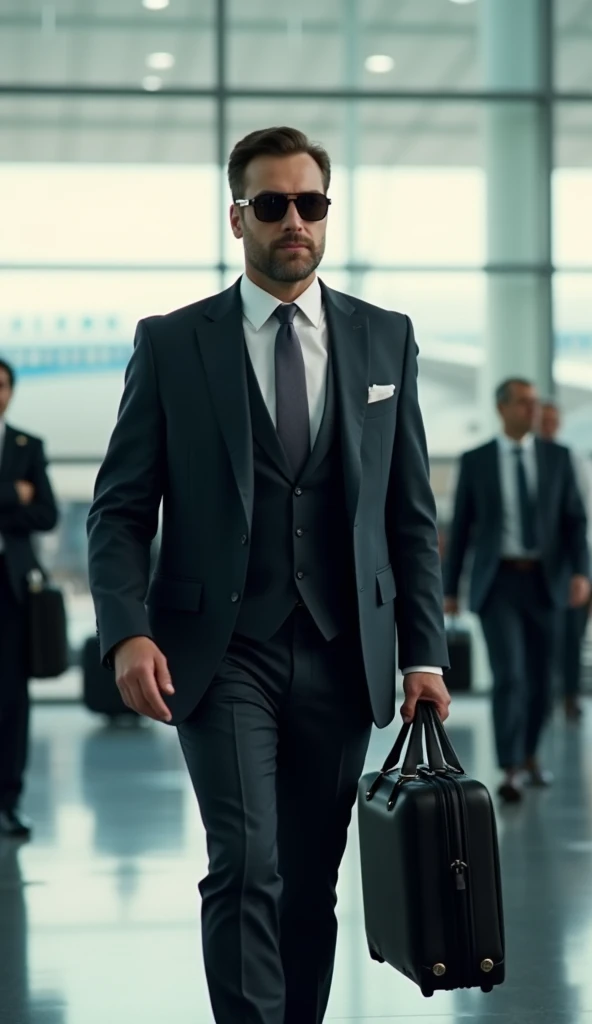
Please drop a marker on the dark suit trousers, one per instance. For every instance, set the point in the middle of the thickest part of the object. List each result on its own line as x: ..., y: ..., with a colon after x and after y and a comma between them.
x: 14, y: 694
x: 275, y: 750
x: 518, y: 621
x: 572, y: 624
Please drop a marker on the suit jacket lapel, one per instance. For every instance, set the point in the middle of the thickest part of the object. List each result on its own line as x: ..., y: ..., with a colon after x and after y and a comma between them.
x: 350, y: 349
x: 8, y: 454
x: 494, y: 472
x: 264, y: 430
x: 542, y: 485
x: 222, y: 344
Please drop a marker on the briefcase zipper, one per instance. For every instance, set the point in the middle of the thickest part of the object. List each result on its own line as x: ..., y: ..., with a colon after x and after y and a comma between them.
x: 459, y: 869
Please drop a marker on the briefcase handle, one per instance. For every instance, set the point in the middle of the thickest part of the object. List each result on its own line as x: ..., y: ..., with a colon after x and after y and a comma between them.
x: 441, y: 755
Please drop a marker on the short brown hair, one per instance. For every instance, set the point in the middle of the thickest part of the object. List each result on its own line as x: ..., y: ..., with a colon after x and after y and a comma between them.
x: 273, y: 142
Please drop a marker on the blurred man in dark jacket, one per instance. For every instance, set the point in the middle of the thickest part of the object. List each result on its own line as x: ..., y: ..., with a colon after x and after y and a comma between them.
x: 27, y: 506
x: 518, y: 507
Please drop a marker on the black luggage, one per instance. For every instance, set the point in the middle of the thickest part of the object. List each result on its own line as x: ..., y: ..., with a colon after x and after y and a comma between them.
x: 99, y: 689
x: 47, y: 628
x: 430, y: 866
x: 459, y: 676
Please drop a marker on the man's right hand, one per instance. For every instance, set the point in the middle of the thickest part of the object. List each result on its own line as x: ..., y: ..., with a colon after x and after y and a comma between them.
x: 141, y: 673
x: 25, y: 491
x: 451, y: 606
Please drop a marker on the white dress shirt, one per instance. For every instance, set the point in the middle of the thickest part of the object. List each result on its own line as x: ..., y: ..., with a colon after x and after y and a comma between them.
x: 512, y: 545
x: 2, y: 436
x: 260, y: 328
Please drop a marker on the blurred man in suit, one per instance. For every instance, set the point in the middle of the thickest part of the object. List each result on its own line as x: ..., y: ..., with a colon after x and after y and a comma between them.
x: 280, y: 422
x: 518, y: 506
x: 572, y: 622
x: 27, y: 506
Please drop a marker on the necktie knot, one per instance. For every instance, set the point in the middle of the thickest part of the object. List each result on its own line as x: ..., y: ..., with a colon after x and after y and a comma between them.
x: 286, y: 313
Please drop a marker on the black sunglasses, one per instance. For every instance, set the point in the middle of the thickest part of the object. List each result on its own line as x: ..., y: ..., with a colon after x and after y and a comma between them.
x: 273, y: 206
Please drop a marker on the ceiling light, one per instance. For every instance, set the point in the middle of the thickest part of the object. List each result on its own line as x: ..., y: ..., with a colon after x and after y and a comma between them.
x: 152, y: 83
x: 155, y: 5
x: 379, y: 64
x: 160, y: 61
x: 462, y: 1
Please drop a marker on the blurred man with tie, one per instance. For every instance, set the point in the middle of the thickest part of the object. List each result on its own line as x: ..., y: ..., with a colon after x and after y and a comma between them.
x: 27, y: 506
x: 279, y: 422
x: 518, y: 506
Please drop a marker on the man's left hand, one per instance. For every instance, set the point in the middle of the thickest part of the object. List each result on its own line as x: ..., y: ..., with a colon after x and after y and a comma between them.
x: 579, y: 591
x: 425, y: 686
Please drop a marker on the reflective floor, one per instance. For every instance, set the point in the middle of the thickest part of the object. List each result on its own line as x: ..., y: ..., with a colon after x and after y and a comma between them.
x: 99, y: 913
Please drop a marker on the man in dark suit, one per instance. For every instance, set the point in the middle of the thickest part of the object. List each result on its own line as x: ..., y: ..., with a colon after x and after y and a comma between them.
x: 518, y: 507
x: 27, y: 506
x: 279, y: 423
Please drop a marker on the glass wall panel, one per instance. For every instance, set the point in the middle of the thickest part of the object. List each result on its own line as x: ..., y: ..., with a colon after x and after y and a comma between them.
x: 107, y: 130
x: 573, y: 356
x: 572, y: 185
x: 573, y: 40
x: 69, y: 335
x: 111, y: 43
x: 407, y: 45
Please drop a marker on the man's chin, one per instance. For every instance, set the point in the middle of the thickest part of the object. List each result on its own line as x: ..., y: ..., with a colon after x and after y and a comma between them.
x: 294, y: 266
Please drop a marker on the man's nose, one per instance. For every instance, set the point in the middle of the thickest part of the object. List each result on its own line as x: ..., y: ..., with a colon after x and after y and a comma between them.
x: 292, y: 221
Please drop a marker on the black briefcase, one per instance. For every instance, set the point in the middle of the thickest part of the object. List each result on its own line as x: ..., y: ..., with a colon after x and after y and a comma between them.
x: 99, y: 689
x: 47, y: 628
x: 430, y: 866
x: 459, y: 676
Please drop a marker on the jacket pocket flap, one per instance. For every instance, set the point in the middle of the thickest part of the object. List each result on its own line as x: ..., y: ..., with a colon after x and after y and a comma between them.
x: 386, y: 585
x: 169, y: 593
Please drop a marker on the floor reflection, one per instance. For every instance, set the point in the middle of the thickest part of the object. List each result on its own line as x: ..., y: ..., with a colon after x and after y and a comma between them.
x: 99, y: 914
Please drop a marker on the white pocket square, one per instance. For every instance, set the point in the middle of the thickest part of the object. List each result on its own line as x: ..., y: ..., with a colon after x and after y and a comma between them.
x: 378, y: 392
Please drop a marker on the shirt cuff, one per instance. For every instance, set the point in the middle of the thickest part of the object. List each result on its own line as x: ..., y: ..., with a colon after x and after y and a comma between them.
x: 423, y: 668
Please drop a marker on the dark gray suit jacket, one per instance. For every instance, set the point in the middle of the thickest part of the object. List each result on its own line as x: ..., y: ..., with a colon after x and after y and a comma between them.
x: 23, y: 458
x: 478, y: 522
x: 184, y: 435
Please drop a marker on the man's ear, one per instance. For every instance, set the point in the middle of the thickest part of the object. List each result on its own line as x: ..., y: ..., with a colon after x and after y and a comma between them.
x: 236, y: 221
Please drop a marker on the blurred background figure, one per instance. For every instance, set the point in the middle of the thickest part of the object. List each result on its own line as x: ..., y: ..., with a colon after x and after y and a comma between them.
x: 27, y: 505
x: 572, y: 622
x: 518, y: 505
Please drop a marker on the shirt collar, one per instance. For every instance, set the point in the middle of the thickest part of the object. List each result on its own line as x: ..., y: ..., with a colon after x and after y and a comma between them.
x: 508, y: 444
x: 259, y: 305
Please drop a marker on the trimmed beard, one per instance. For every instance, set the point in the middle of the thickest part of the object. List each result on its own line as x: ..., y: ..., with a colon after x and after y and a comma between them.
x: 276, y: 267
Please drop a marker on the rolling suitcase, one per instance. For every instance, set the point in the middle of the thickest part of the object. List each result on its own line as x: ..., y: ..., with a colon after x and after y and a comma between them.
x: 99, y: 690
x: 459, y: 676
x: 47, y: 628
x: 430, y: 865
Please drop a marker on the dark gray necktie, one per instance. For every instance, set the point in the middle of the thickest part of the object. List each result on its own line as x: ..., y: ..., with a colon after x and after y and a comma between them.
x: 293, y: 421
x: 526, y: 505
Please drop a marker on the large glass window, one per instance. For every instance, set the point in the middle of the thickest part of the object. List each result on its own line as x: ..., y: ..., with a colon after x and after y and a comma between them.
x: 573, y: 39
x: 443, y: 120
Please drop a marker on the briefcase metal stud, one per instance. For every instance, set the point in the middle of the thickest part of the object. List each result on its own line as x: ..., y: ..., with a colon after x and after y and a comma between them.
x: 487, y: 965
x: 439, y: 970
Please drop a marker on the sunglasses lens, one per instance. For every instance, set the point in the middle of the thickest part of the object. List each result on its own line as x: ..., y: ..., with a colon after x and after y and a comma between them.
x: 270, y: 207
x: 312, y: 206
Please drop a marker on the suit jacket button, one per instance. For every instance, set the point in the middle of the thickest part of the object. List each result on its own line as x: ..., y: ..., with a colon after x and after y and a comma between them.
x: 299, y: 575
x: 234, y: 596
x: 298, y: 491
x: 244, y: 538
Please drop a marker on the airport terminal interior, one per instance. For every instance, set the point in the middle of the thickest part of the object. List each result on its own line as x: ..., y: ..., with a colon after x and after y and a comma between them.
x: 460, y: 133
